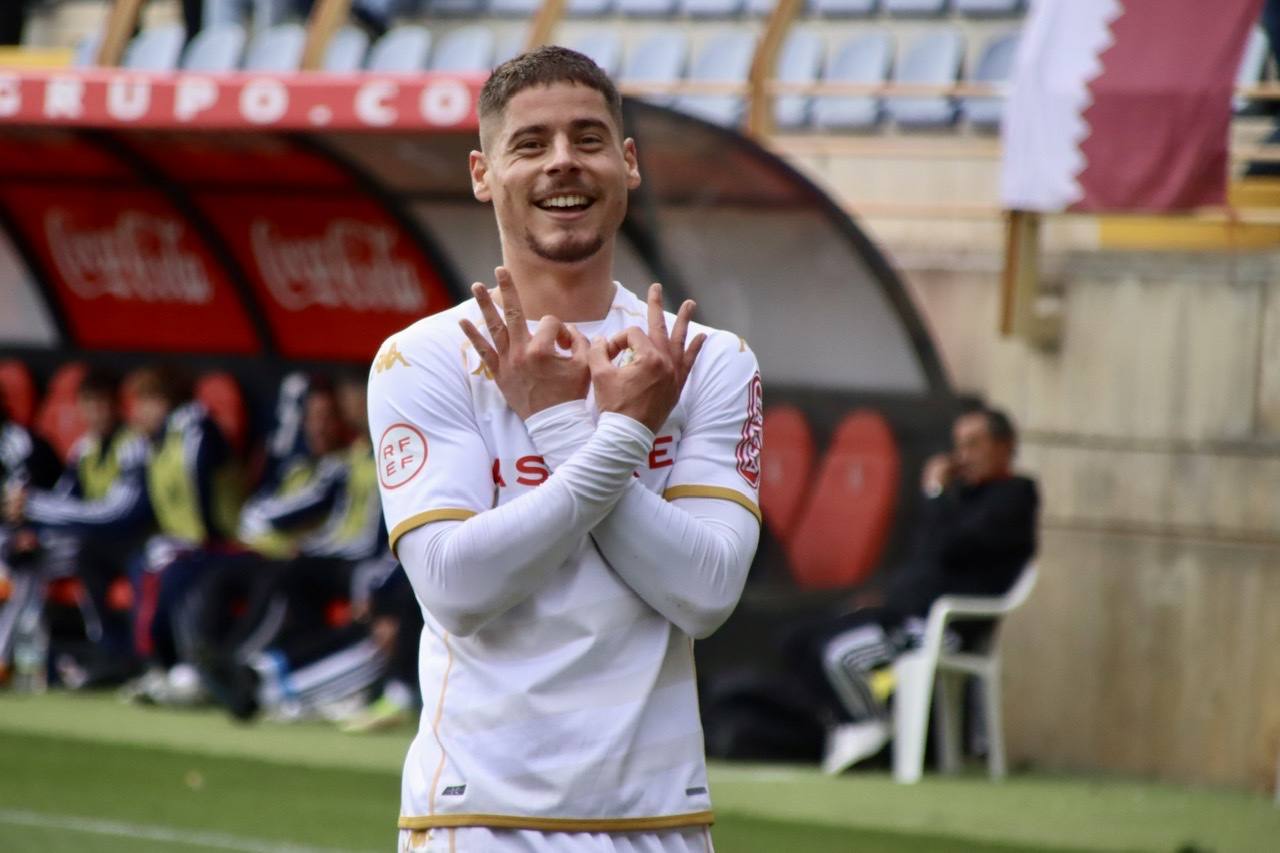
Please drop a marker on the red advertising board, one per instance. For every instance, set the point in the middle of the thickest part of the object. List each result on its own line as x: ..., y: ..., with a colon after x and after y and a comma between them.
x: 117, y: 98
x: 128, y: 270
x: 334, y: 274
x: 219, y: 158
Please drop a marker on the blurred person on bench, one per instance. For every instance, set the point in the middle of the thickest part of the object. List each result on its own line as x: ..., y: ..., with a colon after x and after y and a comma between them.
x: 26, y: 461
x: 383, y: 597
x: 287, y: 654
x: 193, y: 487
x: 974, y: 535
x: 241, y: 606
x: 90, y: 523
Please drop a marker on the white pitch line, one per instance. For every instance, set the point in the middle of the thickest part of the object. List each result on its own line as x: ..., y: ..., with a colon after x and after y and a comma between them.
x: 94, y: 826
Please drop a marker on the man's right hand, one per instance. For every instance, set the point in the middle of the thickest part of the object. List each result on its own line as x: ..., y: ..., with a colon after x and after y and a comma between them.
x: 648, y: 386
x: 937, y: 474
x: 529, y: 371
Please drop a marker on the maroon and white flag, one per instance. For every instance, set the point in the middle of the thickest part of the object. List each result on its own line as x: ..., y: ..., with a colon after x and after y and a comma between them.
x: 1123, y: 105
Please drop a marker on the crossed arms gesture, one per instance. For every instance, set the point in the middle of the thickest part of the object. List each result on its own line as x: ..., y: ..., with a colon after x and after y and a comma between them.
x: 687, y: 562
x: 533, y: 375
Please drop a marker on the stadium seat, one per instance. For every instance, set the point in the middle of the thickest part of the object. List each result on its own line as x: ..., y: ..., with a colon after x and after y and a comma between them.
x: 220, y: 394
x: 764, y: 8
x: 845, y: 8
x: 337, y: 613
x: 915, y: 7
x: 988, y: 8
x: 1252, y: 62
x: 65, y: 592
x: 711, y: 8
x: 215, y: 49
x: 402, y: 49
x: 510, y: 45
x: 725, y: 58
x: 647, y: 8
x: 86, y: 54
x: 263, y: 13
x: 603, y: 46
x: 277, y: 48
x: 70, y: 592
x: 799, y: 62
x: 994, y: 67
x: 17, y: 391
x: 156, y: 48
x: 456, y: 8
x: 844, y: 526
x: 58, y: 418
x: 931, y: 672
x: 515, y: 8
x: 465, y: 49
x: 861, y: 59
x: 660, y: 58
x: 933, y: 58
x: 346, y: 51
x: 588, y: 8
x: 786, y: 465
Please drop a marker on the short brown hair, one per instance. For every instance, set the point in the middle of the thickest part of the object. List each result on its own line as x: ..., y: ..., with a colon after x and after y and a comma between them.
x: 170, y: 382
x: 545, y: 66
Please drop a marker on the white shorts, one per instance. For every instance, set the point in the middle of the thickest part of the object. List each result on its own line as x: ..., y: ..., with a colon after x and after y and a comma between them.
x: 482, y: 839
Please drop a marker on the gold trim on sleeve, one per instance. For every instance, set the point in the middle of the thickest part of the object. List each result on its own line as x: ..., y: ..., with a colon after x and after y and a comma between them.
x: 413, y: 522
x: 559, y: 824
x: 717, y: 492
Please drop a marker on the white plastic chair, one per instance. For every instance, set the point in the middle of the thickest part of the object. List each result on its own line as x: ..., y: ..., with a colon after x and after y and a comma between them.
x: 929, y: 669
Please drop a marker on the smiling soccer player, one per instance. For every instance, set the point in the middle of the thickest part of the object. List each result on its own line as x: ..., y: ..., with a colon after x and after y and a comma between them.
x: 573, y: 493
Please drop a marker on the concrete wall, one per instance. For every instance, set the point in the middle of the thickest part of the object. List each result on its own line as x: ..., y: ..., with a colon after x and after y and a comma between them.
x: 1152, y: 645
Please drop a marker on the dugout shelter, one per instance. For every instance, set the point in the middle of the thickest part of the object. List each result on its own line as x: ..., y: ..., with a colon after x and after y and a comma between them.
x: 252, y: 223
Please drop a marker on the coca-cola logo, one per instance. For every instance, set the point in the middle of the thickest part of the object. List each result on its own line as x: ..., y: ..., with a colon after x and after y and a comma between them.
x: 350, y: 266
x: 138, y: 257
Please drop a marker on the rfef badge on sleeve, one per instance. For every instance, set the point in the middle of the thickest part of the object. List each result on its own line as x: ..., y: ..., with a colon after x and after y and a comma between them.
x: 402, y: 453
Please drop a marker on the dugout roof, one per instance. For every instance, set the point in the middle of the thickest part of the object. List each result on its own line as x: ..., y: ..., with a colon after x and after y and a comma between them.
x: 305, y: 217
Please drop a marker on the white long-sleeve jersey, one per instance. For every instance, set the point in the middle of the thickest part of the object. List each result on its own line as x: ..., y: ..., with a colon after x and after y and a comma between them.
x: 563, y: 566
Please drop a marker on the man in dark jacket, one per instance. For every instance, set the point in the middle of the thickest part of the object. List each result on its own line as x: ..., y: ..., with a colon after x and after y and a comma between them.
x: 976, y: 532
x: 977, y: 527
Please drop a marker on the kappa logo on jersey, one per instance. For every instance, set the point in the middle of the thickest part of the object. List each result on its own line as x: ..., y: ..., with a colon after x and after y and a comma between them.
x: 389, y: 358
x: 402, y: 452
x: 749, y: 447
x: 482, y: 369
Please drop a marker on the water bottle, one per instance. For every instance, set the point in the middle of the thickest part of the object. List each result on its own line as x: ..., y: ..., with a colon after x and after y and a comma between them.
x: 31, y: 652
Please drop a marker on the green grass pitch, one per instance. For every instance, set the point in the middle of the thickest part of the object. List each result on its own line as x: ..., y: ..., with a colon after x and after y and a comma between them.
x: 84, y: 773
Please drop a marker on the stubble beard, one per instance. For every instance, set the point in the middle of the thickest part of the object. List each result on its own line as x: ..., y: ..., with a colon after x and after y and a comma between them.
x: 566, y: 251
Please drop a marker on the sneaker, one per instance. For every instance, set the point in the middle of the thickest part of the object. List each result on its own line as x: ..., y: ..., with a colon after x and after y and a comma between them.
x: 341, y: 710
x: 71, y: 673
x: 183, y: 687
x: 145, y: 689
x: 385, y: 713
x: 849, y: 743
x: 233, y: 685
